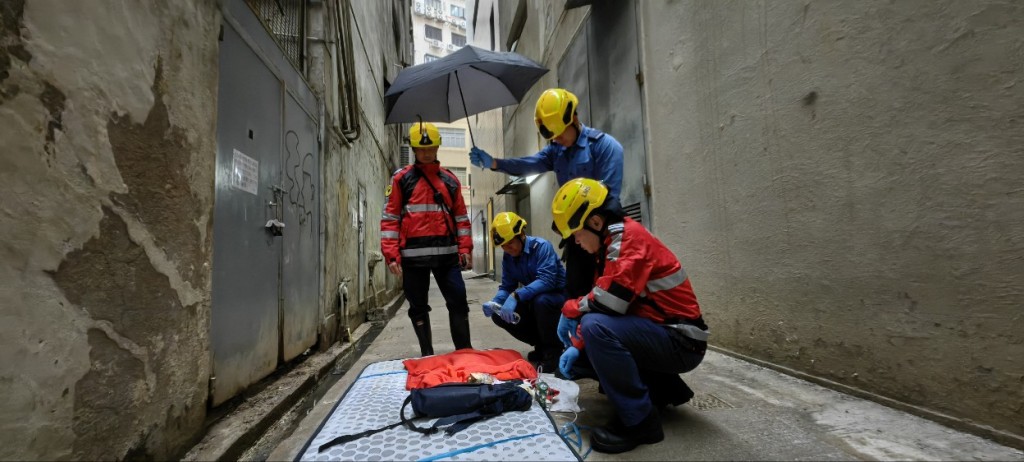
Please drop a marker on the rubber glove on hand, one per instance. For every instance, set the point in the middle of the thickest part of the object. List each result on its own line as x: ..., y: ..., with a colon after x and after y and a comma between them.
x: 480, y: 158
x: 508, y: 310
x: 568, y: 358
x: 490, y: 307
x: 566, y: 328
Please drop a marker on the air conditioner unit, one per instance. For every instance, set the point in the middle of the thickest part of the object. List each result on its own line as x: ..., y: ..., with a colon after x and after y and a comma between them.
x: 419, y: 8
x: 451, y: 46
x: 435, y: 43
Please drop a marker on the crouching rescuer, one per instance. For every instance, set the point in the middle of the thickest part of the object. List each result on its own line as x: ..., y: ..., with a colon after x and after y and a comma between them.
x: 532, y: 290
x: 638, y: 328
x: 425, y: 229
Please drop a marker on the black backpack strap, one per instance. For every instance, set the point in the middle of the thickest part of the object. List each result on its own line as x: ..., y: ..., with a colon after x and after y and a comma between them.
x: 460, y: 422
x: 346, y: 438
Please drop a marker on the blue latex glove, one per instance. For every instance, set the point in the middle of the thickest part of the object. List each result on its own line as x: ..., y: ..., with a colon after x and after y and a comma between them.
x: 480, y: 158
x: 566, y: 328
x: 490, y: 307
x: 508, y: 310
x: 568, y: 358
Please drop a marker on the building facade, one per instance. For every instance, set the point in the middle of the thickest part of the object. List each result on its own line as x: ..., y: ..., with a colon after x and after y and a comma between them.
x: 192, y: 194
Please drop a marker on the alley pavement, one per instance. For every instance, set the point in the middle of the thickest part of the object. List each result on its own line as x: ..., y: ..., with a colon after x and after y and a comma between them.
x: 740, y: 412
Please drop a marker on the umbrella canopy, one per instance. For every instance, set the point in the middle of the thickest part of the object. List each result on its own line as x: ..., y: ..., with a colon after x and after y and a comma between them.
x: 467, y: 82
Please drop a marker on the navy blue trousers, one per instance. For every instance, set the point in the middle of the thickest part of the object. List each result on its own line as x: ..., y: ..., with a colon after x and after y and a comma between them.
x: 416, y: 283
x: 538, y: 322
x: 633, y: 358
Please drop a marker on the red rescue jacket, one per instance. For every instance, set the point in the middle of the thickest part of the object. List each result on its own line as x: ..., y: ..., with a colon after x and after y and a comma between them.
x: 417, y: 226
x: 641, y: 277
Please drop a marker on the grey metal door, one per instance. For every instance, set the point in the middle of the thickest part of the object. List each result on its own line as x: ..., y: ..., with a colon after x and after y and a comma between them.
x: 244, y: 329
x: 601, y: 66
x: 300, y: 310
x: 266, y: 296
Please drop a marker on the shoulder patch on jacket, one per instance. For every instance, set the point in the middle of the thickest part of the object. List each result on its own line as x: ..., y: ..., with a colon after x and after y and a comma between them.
x: 387, y: 191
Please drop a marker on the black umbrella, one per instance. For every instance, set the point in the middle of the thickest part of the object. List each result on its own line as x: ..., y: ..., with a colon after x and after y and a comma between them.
x: 437, y: 90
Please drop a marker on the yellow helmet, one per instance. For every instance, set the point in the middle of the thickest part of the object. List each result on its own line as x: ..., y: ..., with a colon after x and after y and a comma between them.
x: 505, y: 226
x: 554, y: 112
x: 574, y: 202
x: 424, y: 135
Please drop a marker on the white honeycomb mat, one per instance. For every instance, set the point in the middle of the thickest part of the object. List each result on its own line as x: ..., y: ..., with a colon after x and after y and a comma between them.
x: 374, y: 400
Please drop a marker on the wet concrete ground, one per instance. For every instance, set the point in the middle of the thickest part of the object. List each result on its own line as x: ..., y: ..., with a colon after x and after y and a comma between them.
x: 740, y: 412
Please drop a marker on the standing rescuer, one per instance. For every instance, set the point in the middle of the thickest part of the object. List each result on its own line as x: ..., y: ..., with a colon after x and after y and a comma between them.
x: 532, y: 287
x: 425, y: 229
x: 640, y: 323
x: 574, y: 150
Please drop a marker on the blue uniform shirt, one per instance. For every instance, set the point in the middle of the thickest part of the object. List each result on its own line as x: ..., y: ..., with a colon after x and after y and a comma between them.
x: 595, y: 155
x: 537, y: 269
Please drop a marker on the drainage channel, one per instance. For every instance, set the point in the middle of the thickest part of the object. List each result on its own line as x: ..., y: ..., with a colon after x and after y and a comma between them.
x: 289, y: 422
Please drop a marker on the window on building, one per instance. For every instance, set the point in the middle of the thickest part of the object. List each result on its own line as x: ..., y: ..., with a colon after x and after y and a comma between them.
x: 458, y: 11
x: 458, y: 40
x: 460, y: 173
x: 429, y: 57
x: 285, y: 20
x: 431, y: 32
x: 453, y: 137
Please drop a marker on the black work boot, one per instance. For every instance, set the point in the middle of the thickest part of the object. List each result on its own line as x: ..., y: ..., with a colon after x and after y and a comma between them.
x: 614, y: 439
x: 459, y: 324
x: 421, y: 325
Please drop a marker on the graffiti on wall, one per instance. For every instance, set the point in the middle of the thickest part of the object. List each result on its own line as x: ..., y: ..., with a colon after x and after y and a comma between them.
x: 299, y: 185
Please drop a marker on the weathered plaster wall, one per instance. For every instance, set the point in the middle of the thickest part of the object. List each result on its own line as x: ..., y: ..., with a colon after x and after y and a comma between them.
x: 107, y: 117
x: 842, y: 181
x: 366, y: 161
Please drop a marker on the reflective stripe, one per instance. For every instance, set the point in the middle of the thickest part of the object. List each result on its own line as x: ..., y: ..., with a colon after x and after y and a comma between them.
x: 462, y: 218
x: 692, y: 331
x: 413, y: 208
x: 667, y: 282
x: 464, y: 232
x: 613, y: 248
x: 427, y: 251
x: 616, y: 228
x: 389, y: 235
x: 611, y: 301
x: 584, y: 308
x: 388, y: 216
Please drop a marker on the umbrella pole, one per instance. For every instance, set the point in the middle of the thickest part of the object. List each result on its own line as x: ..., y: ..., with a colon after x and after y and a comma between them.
x: 464, y: 111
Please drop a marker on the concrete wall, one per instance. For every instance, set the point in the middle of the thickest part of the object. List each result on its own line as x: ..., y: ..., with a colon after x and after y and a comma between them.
x: 842, y: 181
x: 108, y: 121
x: 367, y: 160
x: 107, y: 116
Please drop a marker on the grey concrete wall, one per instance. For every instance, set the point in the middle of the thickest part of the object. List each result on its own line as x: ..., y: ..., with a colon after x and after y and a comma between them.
x: 367, y: 161
x: 107, y: 116
x: 842, y: 181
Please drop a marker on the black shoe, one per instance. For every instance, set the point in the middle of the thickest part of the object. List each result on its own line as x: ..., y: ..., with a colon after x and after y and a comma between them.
x: 612, y: 440
x: 535, y: 356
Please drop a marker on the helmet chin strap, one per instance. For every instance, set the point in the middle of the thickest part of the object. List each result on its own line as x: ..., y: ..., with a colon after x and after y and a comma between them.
x: 597, y: 232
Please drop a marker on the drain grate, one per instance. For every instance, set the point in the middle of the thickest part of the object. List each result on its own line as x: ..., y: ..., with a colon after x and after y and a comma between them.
x: 708, y: 402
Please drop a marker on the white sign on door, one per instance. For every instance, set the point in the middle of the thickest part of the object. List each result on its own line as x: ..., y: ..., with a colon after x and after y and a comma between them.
x: 245, y: 172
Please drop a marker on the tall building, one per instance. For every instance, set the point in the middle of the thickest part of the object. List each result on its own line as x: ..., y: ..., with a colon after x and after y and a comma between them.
x: 439, y: 28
